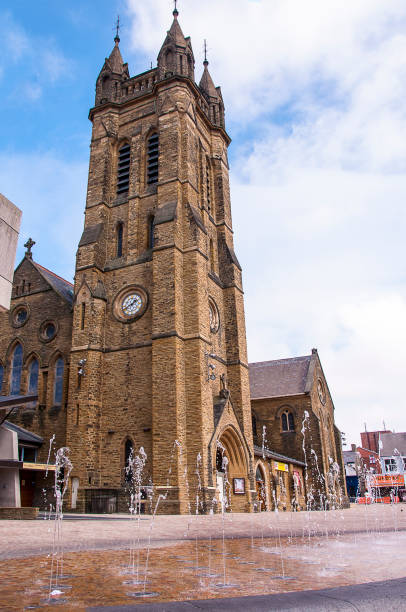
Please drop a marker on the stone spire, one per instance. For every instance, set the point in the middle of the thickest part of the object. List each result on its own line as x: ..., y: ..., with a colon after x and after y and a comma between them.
x: 212, y: 93
x: 206, y: 82
x: 176, y: 54
x: 113, y: 73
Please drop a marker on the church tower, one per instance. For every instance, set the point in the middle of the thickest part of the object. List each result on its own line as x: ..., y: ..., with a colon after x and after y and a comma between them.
x: 159, y: 356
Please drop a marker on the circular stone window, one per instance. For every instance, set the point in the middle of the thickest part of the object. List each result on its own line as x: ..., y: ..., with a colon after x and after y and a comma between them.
x: 321, y: 391
x: 48, y: 331
x: 130, y: 304
x: 20, y: 316
x: 214, y: 317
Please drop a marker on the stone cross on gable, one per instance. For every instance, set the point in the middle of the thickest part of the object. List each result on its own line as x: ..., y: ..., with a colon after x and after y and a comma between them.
x: 28, y: 245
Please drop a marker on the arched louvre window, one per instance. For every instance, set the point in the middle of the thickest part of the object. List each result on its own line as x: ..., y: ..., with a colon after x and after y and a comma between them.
x: 123, y: 169
x: 33, y: 376
x: 119, y: 231
x: 58, y: 381
x: 1, y: 376
x: 153, y: 156
x: 16, y: 369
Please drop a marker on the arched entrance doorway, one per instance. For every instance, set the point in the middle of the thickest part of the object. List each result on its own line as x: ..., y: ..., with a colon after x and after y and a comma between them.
x: 232, y: 481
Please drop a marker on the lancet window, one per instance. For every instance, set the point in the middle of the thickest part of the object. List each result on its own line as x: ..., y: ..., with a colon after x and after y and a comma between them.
x: 16, y: 370
x: 58, y: 381
x: 119, y: 239
x: 151, y: 228
x: 208, y: 185
x: 288, y: 423
x: 33, y: 376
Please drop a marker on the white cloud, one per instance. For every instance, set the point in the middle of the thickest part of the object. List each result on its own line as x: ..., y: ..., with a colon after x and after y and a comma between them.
x: 314, y: 95
x: 39, y: 61
x: 50, y: 191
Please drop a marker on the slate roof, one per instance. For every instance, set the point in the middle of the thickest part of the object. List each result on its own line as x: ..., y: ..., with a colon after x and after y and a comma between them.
x: 23, y: 434
x: 392, y: 441
x: 279, y: 378
x: 259, y: 451
x: 59, y: 284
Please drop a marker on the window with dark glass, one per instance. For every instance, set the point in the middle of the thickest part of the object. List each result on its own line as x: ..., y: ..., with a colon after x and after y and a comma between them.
x: 123, y: 169
x: 219, y: 461
x: 254, y: 426
x: 119, y: 231
x: 259, y: 477
x: 27, y: 454
x: 208, y: 185
x: 21, y: 315
x: 83, y: 315
x: 58, y: 381
x: 288, y: 423
x: 16, y: 369
x: 151, y: 227
x: 1, y: 377
x: 391, y: 465
x: 152, y: 155
x: 128, y: 460
x: 33, y: 376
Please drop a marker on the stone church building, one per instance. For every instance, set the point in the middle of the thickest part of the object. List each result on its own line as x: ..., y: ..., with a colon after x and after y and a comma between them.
x: 148, y: 347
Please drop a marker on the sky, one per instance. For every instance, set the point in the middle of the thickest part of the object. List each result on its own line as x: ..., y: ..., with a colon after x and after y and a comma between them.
x: 315, y: 105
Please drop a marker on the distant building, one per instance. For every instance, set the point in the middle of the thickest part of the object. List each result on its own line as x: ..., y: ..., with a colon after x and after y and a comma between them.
x: 370, y: 439
x: 393, y: 453
x: 358, y: 464
x: 10, y: 219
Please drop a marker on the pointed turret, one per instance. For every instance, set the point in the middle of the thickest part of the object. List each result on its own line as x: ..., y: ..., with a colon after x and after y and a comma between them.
x: 114, y: 72
x: 176, y: 54
x: 212, y: 94
x: 206, y: 82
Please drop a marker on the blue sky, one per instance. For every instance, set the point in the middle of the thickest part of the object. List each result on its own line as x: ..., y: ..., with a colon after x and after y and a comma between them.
x: 314, y: 96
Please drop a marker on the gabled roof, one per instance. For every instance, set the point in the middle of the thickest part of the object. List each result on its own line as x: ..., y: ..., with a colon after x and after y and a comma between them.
x: 279, y: 378
x: 23, y: 434
x: 63, y: 287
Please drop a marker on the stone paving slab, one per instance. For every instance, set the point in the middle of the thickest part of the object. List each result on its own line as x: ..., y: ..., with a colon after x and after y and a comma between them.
x: 387, y: 595
x: 28, y: 538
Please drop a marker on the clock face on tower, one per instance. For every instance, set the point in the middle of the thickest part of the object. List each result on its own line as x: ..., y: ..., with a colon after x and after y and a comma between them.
x: 130, y: 304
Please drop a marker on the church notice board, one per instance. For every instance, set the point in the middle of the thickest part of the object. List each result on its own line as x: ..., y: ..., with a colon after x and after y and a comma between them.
x: 239, y: 486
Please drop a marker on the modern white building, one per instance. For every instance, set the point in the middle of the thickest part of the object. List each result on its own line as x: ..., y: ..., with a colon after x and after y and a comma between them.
x: 10, y: 220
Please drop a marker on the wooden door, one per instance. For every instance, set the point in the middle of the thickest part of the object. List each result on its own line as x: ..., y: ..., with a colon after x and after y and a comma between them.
x: 27, y: 488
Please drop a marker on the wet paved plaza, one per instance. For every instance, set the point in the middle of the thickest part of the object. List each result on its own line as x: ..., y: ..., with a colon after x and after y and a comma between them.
x: 118, y: 561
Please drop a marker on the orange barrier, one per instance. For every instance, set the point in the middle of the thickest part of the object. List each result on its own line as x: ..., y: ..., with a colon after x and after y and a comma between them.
x: 377, y: 500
